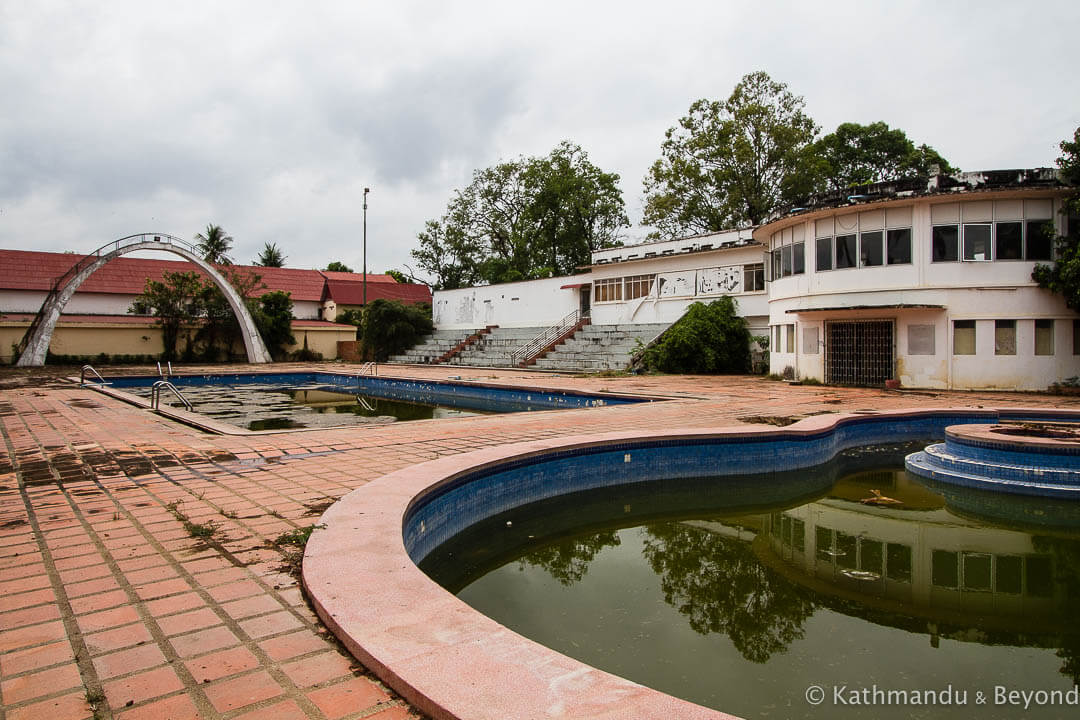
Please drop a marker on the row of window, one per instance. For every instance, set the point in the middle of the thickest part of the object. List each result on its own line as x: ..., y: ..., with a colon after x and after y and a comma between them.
x: 632, y: 287
x: 1005, y: 337
x: 970, y: 242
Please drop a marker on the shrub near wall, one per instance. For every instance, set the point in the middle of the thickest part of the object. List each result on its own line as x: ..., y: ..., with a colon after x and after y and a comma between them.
x: 708, y: 339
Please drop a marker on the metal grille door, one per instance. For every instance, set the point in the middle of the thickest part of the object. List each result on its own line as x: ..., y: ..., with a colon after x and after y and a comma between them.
x: 859, y: 352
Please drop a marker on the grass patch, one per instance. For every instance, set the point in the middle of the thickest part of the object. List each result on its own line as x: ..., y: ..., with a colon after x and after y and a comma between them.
x: 195, y: 530
x: 292, y: 544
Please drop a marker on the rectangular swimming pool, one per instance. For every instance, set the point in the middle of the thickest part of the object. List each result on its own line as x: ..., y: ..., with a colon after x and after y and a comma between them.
x: 273, y: 401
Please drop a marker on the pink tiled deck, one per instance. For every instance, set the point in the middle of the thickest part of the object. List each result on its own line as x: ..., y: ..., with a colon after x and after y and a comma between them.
x: 105, y: 597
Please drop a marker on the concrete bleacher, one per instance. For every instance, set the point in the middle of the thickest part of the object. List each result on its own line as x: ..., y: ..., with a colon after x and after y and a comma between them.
x: 433, y: 346
x: 600, y: 347
x: 494, y: 349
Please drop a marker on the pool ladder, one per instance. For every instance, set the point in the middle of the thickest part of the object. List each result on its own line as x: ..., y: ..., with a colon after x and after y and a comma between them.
x: 162, y: 374
x: 368, y: 368
x: 86, y: 369
x: 155, y: 394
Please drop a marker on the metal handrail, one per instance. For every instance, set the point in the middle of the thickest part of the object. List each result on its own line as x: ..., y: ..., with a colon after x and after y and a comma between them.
x: 155, y: 394
x: 364, y: 403
x: 371, y: 368
x: 162, y: 373
x: 82, y: 375
x: 545, y: 338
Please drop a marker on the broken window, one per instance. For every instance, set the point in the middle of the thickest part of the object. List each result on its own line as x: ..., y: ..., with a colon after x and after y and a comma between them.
x: 846, y: 252
x: 945, y: 243
x: 1040, y: 240
x: 824, y: 254
x: 871, y: 252
x: 1009, y: 243
x: 898, y: 246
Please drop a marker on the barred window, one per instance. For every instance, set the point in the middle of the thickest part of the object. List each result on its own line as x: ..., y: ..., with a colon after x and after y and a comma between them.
x: 638, y: 286
x: 607, y: 290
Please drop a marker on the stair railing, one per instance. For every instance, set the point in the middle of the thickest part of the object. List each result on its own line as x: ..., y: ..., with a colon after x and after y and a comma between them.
x: 544, y: 339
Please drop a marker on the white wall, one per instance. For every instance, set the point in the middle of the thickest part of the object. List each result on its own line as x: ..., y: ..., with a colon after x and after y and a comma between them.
x: 532, y: 303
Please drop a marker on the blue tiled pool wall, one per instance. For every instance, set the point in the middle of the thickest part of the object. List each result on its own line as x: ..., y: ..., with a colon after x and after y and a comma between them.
x: 449, y: 509
x: 1058, y: 456
x: 463, y: 395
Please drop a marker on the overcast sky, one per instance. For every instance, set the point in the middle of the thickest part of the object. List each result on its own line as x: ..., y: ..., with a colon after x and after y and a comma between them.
x: 269, y: 118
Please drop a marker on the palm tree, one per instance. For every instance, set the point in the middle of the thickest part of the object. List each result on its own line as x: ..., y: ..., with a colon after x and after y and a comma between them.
x: 271, y: 256
x: 214, y: 245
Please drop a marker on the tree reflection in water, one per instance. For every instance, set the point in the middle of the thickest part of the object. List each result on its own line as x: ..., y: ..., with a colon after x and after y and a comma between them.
x: 568, y: 560
x: 718, y: 583
x: 1066, y: 556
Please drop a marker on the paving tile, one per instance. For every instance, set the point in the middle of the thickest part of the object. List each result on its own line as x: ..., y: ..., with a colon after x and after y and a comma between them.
x: 318, y: 669
x: 177, y: 707
x: 271, y: 624
x: 221, y: 664
x: 42, y: 682
x: 174, y: 604
x: 122, y: 662
x: 103, y: 584
x: 162, y: 588
x: 29, y: 616
x: 204, y: 641
x: 100, y: 601
x: 143, y: 686
x: 288, y: 646
x: 31, y: 635
x: 121, y: 637
x: 249, y: 606
x: 287, y: 710
x: 234, y: 590
x: 149, y: 575
x: 398, y: 712
x: 239, y: 692
x: 185, y: 622
x: 72, y: 706
x: 33, y: 658
x: 107, y: 619
x: 348, y: 697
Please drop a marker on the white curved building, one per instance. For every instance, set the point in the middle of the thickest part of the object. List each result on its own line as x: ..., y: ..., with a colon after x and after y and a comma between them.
x: 929, y: 285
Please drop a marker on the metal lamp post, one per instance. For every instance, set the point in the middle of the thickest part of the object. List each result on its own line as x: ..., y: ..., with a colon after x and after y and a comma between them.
x: 366, y: 191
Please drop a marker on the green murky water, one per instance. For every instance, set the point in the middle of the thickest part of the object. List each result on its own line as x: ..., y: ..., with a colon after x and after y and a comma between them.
x: 749, y: 609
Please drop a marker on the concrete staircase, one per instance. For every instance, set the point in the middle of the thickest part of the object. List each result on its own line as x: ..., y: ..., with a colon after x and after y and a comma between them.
x: 600, y: 347
x: 434, y: 346
x: 495, y: 348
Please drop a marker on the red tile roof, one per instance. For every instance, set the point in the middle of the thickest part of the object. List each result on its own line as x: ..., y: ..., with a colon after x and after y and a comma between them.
x: 31, y: 270
x: 351, y: 291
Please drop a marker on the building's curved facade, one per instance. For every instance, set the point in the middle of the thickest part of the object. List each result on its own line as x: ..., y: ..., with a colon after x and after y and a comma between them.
x: 928, y: 285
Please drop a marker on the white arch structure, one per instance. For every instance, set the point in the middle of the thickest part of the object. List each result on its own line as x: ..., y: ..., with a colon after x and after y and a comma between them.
x: 39, y: 334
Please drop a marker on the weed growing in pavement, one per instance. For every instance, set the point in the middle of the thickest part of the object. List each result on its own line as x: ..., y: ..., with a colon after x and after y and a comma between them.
x: 195, y: 530
x: 292, y: 544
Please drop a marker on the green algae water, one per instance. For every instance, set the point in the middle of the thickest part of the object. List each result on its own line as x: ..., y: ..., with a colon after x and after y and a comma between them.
x: 860, y: 593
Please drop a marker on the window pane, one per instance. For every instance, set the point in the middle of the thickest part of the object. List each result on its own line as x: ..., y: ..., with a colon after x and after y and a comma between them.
x: 789, y: 341
x: 798, y: 260
x: 785, y: 261
x: 898, y: 246
x: 775, y: 264
x: 898, y: 558
x: 1044, y: 337
x: 1076, y: 337
x: 963, y: 337
x: 823, y: 542
x: 945, y: 243
x: 798, y: 534
x: 943, y: 569
x: 1040, y: 581
x: 1009, y: 574
x: 977, y: 571
x: 1040, y: 235
x: 753, y: 277
x: 824, y: 254
x: 870, y: 555
x: 846, y: 550
x: 872, y: 253
x: 920, y: 340
x: 1004, y: 337
x: 977, y: 242
x: 845, y: 251
x: 1009, y: 244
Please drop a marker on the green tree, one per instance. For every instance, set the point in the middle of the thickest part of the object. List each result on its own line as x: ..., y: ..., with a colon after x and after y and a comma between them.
x: 271, y: 256
x: 524, y: 219
x: 215, y: 245
x: 273, y: 315
x: 707, y: 339
x: 397, y: 275
x: 729, y: 164
x: 338, y: 267
x: 220, y: 328
x: 1063, y: 277
x: 389, y: 327
x: 856, y: 154
x: 175, y: 300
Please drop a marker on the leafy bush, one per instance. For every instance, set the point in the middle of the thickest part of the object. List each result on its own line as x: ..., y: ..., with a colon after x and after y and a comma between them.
x: 273, y: 316
x: 707, y: 339
x: 390, y: 327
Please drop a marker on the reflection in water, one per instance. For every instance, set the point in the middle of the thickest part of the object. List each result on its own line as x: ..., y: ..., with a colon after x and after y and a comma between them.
x: 718, y: 584
x: 743, y: 608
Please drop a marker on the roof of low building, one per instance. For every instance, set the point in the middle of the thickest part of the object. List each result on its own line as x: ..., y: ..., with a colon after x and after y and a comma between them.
x: 36, y: 271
